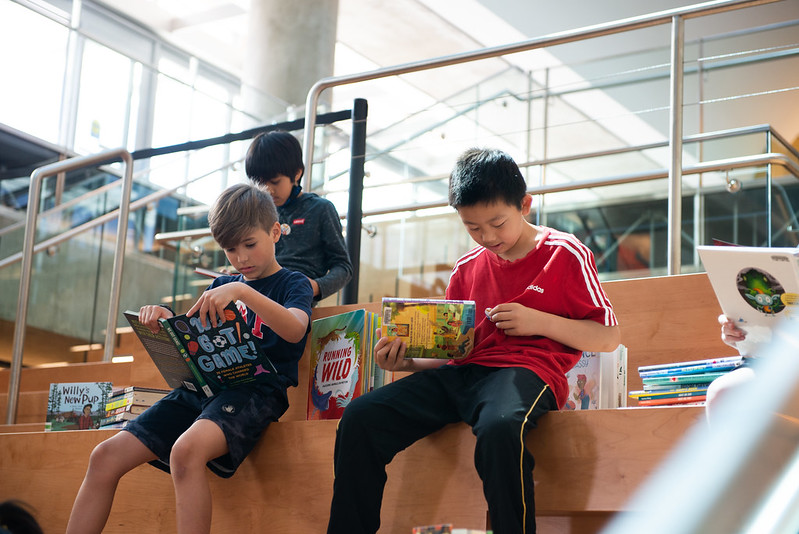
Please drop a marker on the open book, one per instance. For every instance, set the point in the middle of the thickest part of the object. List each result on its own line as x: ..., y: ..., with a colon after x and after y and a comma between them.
x: 206, y: 359
x: 757, y: 287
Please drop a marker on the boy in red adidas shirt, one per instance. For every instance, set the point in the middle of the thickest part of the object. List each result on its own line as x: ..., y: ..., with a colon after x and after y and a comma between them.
x: 543, y: 306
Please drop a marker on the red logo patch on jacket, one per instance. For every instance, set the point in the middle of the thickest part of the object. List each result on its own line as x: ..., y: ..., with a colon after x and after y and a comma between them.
x: 298, y: 221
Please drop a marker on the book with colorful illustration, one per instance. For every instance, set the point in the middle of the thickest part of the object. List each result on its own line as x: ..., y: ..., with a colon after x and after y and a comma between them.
x: 757, y: 287
x: 340, y: 362
x: 205, y: 358
x: 431, y: 328
x: 598, y: 381
x: 76, y: 405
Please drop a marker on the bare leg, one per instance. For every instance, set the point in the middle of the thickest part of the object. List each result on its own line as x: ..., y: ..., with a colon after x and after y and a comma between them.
x: 109, y: 461
x: 203, y: 441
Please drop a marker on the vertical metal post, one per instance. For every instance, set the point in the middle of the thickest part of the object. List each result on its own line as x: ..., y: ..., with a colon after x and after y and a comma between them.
x: 769, y: 184
x: 540, y: 216
x: 355, y: 205
x: 675, y: 142
x: 119, y: 257
x: 309, y: 137
x: 699, y: 196
x: 34, y: 193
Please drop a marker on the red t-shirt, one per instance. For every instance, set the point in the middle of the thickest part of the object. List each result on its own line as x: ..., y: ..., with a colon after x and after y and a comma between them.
x: 559, y: 276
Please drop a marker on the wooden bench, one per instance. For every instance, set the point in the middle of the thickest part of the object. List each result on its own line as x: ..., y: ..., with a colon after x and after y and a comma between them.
x: 588, y: 464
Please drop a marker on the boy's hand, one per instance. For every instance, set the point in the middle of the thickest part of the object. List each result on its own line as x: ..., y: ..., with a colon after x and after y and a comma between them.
x: 515, y: 319
x: 390, y: 354
x: 149, y: 315
x: 212, y: 302
x: 730, y: 333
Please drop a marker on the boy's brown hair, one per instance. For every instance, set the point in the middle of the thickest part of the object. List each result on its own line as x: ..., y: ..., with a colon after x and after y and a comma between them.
x: 240, y: 209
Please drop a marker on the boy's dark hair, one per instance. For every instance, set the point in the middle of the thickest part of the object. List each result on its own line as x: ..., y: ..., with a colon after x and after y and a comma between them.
x: 484, y: 175
x: 16, y: 519
x: 238, y: 210
x: 273, y: 153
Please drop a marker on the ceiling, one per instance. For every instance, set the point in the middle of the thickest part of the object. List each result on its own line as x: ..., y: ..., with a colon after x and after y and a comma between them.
x: 390, y: 32
x: 377, y: 33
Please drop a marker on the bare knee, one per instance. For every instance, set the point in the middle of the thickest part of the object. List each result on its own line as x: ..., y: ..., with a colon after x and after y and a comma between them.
x: 104, y: 462
x: 185, y: 458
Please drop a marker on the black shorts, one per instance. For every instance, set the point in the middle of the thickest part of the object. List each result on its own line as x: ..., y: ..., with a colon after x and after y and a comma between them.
x: 242, y: 413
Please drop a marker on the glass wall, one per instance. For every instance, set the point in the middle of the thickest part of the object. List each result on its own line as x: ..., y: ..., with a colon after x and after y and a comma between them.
x: 567, y: 114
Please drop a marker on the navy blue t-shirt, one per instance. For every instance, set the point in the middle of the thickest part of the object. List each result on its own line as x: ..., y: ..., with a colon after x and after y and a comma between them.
x: 290, y: 289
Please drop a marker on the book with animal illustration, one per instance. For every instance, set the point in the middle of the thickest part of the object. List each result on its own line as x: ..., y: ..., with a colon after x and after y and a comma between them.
x: 431, y: 328
x: 340, y: 347
x: 757, y: 287
x: 205, y: 358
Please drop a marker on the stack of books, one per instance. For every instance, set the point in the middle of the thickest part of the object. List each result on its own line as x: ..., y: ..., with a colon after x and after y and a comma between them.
x: 125, y: 404
x: 681, y: 382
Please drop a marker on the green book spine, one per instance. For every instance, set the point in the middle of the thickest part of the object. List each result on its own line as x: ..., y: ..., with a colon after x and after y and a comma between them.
x: 201, y: 383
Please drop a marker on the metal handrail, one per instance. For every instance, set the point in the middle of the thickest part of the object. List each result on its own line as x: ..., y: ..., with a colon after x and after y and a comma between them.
x: 727, y: 164
x: 88, y: 195
x: 102, y: 219
x: 693, y: 138
x: 672, y: 16
x: 34, y: 192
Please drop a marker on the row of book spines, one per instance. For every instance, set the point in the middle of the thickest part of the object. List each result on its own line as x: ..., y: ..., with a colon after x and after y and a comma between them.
x: 690, y: 369
x: 677, y: 400
x: 128, y: 403
x: 698, y: 378
x: 116, y: 424
x: 707, y: 361
x: 649, y: 395
x: 674, y: 387
x: 132, y: 396
x: 118, y: 417
x: 374, y: 376
x: 129, y: 408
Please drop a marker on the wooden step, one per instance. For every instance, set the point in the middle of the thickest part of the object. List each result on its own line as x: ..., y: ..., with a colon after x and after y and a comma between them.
x: 22, y: 427
x: 31, y: 406
x: 588, y: 464
x: 40, y: 378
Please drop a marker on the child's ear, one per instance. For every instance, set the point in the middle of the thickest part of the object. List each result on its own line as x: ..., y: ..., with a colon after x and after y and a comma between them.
x: 274, y: 233
x: 527, y: 203
x: 297, y: 176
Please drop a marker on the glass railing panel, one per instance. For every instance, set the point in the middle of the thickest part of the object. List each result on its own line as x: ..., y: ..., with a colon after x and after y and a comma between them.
x: 70, y: 284
x: 70, y: 280
x: 88, y: 194
x: 412, y: 253
x: 588, y: 96
x: 732, y: 146
x: 743, y: 78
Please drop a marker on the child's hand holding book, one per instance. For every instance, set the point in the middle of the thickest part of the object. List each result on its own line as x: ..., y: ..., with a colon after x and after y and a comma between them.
x: 390, y: 354
x: 150, y: 315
